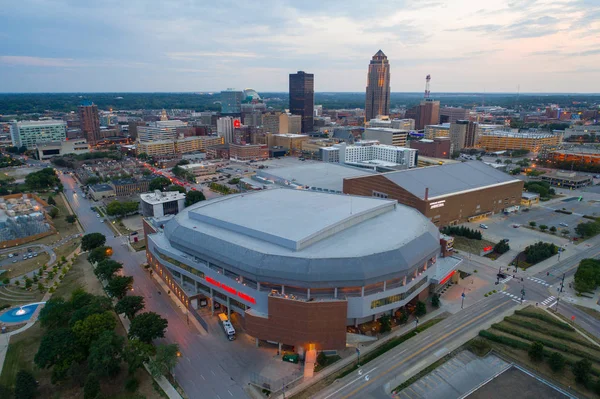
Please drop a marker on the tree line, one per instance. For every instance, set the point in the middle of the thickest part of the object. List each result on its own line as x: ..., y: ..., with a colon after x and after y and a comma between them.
x: 462, y: 231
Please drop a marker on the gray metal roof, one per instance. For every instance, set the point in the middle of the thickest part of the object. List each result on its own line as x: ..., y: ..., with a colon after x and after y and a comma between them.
x: 322, y: 175
x: 302, y: 237
x: 448, y: 179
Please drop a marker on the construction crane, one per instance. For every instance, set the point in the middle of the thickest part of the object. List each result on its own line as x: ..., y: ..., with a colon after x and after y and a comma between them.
x: 427, y: 80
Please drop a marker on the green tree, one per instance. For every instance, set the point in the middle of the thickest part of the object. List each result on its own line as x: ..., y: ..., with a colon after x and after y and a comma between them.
x: 92, y: 240
x: 501, y: 247
x: 118, y: 286
x: 55, y: 313
x: 26, y: 387
x: 582, y: 370
x: 386, y: 323
x: 88, y: 330
x: 142, y: 156
x: 91, y: 389
x: 507, y: 161
x: 97, y: 304
x: 587, y: 229
x: 543, y: 227
x: 130, y: 305
x: 99, y: 254
x: 51, y: 200
x: 5, y: 392
x: 194, y: 196
x: 587, y: 276
x: 28, y: 283
x: 565, y: 232
x: 536, y: 351
x: 159, y: 183
x: 435, y: 300
x: 105, y: 354
x: 532, y: 224
x: 556, y: 361
x: 136, y: 353
x: 552, y: 229
x: 147, y: 326
x: 71, y: 219
x: 175, y: 187
x: 421, y: 309
x: 164, y: 361
x: 58, y: 350
x: 107, y: 268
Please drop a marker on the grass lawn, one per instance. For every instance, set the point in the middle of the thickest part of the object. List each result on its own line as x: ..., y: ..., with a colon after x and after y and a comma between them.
x: 81, y: 275
x: 66, y: 249
x: 25, y: 266
x: 528, y: 329
x: 470, y: 245
x: 140, y: 245
x: 20, y: 353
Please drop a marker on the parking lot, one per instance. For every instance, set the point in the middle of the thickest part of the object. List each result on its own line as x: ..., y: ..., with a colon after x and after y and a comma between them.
x: 502, y: 226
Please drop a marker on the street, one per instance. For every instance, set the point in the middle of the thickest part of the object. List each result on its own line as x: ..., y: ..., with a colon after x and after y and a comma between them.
x: 206, y: 363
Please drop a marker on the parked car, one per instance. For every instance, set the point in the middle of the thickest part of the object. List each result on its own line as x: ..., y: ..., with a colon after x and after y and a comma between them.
x: 483, y: 226
x: 564, y: 224
x: 516, y: 226
x: 10, y: 255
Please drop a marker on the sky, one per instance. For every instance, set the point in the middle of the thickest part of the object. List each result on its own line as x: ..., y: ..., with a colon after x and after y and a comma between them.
x: 200, y: 45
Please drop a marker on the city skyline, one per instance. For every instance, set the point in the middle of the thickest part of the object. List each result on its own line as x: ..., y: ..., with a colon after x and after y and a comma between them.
x: 537, y: 45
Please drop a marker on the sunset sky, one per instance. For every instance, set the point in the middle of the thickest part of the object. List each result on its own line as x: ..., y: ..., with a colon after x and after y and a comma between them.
x: 197, y: 45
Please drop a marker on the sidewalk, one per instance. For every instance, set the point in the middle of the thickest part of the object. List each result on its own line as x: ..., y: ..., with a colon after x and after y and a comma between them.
x: 364, y: 350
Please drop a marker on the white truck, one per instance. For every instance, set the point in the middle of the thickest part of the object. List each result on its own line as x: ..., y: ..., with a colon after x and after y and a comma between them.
x: 227, y: 326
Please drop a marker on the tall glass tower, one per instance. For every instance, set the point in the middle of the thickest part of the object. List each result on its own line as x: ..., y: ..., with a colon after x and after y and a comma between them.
x: 378, y: 87
x: 302, y: 98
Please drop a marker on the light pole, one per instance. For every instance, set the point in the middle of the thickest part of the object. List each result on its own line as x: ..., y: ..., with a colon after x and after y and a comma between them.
x: 463, y: 299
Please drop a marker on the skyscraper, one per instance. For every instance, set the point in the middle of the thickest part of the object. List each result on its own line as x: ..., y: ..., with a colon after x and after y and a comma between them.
x: 378, y: 87
x: 231, y: 102
x: 302, y: 98
x: 428, y: 113
x: 90, y: 122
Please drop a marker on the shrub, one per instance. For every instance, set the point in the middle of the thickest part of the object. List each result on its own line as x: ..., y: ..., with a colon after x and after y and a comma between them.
x: 421, y: 309
x: 540, y: 251
x: 543, y: 329
x: 553, y: 229
x: 556, y: 361
x: 435, y: 300
x: 502, y: 247
x: 386, y: 324
x: 532, y: 224
x: 462, y: 231
x: 514, y: 343
x: 536, y: 351
x: 582, y: 370
x: 132, y: 384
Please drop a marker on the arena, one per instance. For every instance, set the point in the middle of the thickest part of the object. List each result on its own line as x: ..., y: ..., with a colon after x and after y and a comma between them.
x: 299, y: 266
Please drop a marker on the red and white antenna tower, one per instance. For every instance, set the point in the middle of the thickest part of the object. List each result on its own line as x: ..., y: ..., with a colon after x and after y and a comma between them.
x: 427, y: 80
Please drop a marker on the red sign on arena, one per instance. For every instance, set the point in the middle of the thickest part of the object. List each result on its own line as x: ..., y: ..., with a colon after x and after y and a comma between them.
x: 231, y: 290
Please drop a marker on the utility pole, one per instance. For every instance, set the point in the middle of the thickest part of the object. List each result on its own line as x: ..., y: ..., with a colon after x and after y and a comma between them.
x: 562, y: 285
x: 463, y: 299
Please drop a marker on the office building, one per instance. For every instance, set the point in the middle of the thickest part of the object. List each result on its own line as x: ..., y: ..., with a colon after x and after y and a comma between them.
x: 271, y: 122
x: 225, y: 128
x: 128, y: 187
x: 301, y: 266
x: 231, y: 102
x: 101, y: 191
x: 58, y: 148
x: 201, y: 169
x: 302, y: 98
x: 471, y: 134
x: 289, y: 123
x: 160, y: 131
x: 386, y: 136
x: 438, y: 147
x: 427, y: 113
x: 90, y: 122
x: 458, y: 134
x: 403, y: 124
x: 248, y: 152
x: 453, y: 114
x: 448, y: 194
x: 377, y: 100
x: 161, y: 203
x: 434, y: 131
x: 531, y: 141
x: 291, y: 142
x: 30, y: 133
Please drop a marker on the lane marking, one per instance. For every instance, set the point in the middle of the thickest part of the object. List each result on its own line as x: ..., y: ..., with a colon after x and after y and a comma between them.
x: 473, y: 320
x: 553, y: 303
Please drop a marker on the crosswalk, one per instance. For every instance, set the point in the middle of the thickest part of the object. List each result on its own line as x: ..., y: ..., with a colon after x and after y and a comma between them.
x: 506, y: 280
x: 550, y: 301
x: 513, y: 297
x: 539, y: 281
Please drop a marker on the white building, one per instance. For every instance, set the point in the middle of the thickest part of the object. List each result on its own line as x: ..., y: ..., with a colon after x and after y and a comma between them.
x: 402, y: 124
x: 160, y: 131
x: 371, y: 155
x: 581, y: 130
x: 29, y: 133
x: 58, y: 148
x: 160, y: 203
x: 225, y: 128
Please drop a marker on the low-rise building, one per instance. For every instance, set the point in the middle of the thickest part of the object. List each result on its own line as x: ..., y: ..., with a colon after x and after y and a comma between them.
x: 528, y: 199
x: 248, y: 152
x: 101, y: 191
x: 59, y: 148
x: 292, y: 142
x: 161, y: 203
x: 532, y: 142
x: 567, y: 179
x: 200, y: 169
x: 434, y: 131
x: 439, y: 147
x: 128, y: 187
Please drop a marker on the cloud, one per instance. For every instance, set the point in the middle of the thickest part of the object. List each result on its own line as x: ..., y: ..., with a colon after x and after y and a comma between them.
x: 37, y: 61
x: 202, y: 54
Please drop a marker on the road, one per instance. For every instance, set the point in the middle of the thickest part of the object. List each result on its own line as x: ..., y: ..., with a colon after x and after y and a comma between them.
x: 205, y: 369
x: 378, y: 377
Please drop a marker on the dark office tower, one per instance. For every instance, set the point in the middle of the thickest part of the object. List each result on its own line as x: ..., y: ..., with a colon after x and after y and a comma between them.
x: 378, y: 87
x: 90, y: 122
x: 302, y: 98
